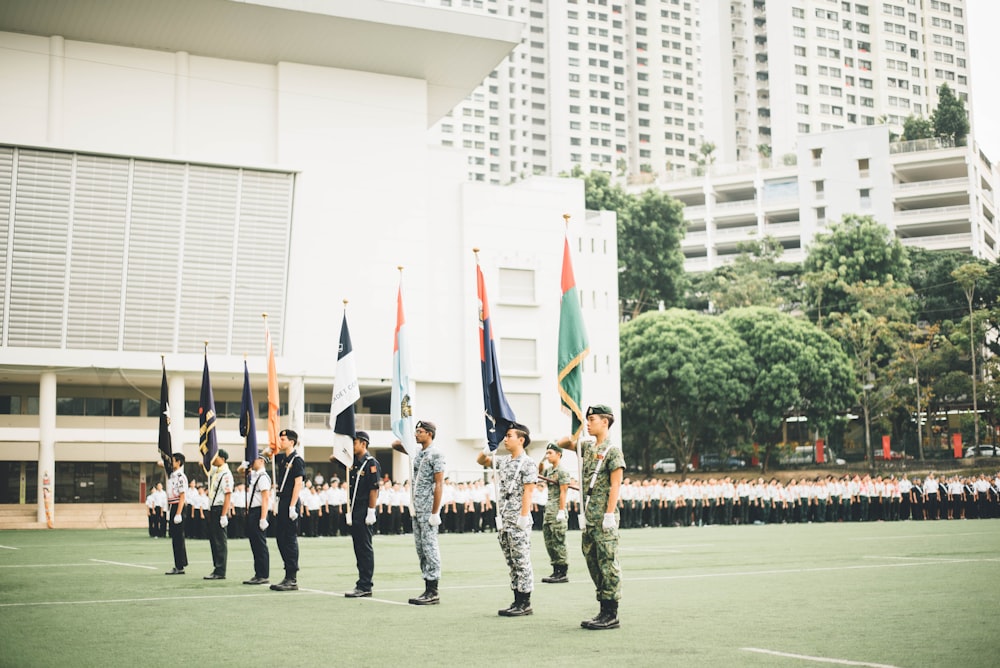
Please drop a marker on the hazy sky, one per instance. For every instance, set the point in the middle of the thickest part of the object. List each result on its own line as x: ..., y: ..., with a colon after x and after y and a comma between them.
x: 982, y: 21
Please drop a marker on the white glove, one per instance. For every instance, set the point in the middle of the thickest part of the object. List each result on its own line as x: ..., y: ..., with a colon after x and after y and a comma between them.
x: 292, y: 514
x: 583, y: 520
x: 434, y: 520
x: 560, y: 515
x: 370, y: 517
x: 499, y: 523
x: 349, y: 519
x: 178, y: 518
x: 263, y: 524
x: 224, y: 521
x: 610, y: 522
x: 525, y: 522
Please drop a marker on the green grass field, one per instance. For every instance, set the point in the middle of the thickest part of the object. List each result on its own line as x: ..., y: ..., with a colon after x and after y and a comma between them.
x: 881, y: 594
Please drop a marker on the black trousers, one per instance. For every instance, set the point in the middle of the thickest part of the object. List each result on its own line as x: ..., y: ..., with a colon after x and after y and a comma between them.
x: 364, y: 553
x: 177, y: 539
x: 258, y: 545
x: 218, y: 540
x: 286, y: 533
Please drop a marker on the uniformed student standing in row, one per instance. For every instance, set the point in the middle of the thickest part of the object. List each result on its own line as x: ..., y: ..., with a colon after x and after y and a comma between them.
x: 603, y: 470
x: 517, y: 475
x: 220, y: 489
x: 291, y: 472
x: 258, y: 501
x: 554, y: 521
x: 176, y: 487
x: 364, y: 485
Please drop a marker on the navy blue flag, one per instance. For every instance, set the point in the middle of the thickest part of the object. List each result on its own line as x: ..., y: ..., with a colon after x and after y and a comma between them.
x: 346, y: 391
x: 208, y: 441
x: 165, y: 447
x: 248, y: 422
x: 498, y: 412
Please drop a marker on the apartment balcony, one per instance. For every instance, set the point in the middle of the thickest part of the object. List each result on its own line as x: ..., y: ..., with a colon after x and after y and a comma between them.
x: 783, y: 230
x: 961, y: 242
x: 694, y: 265
x: 936, y: 216
x: 922, y: 190
x: 730, y: 236
x: 694, y: 240
x: 694, y: 214
x: 774, y: 206
x: 735, y: 210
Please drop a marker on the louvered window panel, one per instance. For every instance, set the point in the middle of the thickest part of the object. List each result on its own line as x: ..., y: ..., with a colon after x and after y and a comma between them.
x: 6, y: 171
x: 38, y: 259
x: 100, y: 198
x: 151, y: 290
x: 261, y: 259
x: 206, y: 280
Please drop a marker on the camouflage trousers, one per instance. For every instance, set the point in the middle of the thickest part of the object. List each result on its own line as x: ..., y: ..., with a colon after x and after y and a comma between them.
x: 600, y: 551
x: 426, y: 539
x: 516, y: 547
x: 555, y: 541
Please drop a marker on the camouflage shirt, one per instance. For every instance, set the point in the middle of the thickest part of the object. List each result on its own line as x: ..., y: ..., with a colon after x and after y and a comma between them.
x: 426, y: 464
x: 603, y: 458
x: 513, y: 475
x: 559, y: 476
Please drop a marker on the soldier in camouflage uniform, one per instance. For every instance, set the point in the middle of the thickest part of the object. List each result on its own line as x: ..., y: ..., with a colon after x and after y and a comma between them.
x: 554, y: 523
x: 427, y: 490
x: 516, y: 474
x: 603, y: 469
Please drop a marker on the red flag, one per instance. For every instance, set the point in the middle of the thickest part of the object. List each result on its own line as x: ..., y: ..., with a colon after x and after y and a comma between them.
x: 273, y: 398
x: 819, y: 451
x: 886, y: 452
x: 956, y: 443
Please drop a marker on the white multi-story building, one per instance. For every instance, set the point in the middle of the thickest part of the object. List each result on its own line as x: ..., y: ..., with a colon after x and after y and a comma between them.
x: 637, y: 88
x: 931, y: 194
x: 171, y: 169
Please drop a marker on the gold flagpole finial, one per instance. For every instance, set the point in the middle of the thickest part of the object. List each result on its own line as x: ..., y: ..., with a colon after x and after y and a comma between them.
x: 566, y: 218
x: 400, y: 267
x: 264, y: 315
x: 345, y: 304
x: 206, y: 347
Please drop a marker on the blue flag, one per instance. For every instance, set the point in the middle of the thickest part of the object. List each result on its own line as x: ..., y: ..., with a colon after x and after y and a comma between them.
x: 208, y: 441
x: 498, y: 412
x: 345, y: 392
x: 401, y: 395
x: 248, y: 422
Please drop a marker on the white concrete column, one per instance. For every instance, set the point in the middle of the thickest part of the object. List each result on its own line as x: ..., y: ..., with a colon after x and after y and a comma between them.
x: 175, y: 395
x: 57, y: 61
x: 182, y: 79
x: 47, y: 447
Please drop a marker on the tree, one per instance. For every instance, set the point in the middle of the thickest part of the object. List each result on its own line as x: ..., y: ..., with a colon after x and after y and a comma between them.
x: 916, y: 345
x: 755, y: 277
x: 869, y: 335
x: 917, y: 127
x: 967, y: 276
x: 950, y: 119
x: 684, y: 377
x: 650, y: 229
x: 798, y: 371
x: 855, y: 250
x: 938, y: 295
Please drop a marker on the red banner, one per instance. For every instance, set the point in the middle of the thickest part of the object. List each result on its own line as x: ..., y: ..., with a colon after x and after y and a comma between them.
x: 819, y: 451
x: 956, y: 443
x: 886, y: 452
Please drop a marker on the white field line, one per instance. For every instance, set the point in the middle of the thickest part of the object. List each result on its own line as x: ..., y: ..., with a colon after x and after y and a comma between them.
x: 818, y: 659
x: 29, y: 604
x: 922, y: 536
x: 7, y: 547
x: 119, y: 563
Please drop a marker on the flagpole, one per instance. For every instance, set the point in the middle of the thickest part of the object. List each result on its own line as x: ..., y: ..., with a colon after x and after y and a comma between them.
x: 579, y: 433
x: 409, y: 457
x: 207, y: 477
x: 271, y: 443
x: 493, y: 454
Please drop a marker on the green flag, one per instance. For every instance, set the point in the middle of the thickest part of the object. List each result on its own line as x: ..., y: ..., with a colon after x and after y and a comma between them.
x: 573, y: 345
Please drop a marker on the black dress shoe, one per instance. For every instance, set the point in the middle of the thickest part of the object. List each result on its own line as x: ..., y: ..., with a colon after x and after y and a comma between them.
x: 214, y: 576
x: 285, y: 585
x: 256, y: 581
x: 175, y: 571
x: 359, y: 593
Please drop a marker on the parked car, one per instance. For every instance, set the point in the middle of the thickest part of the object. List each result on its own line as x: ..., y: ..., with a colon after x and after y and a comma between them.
x: 893, y: 455
x: 982, y: 451
x: 736, y: 463
x: 668, y: 465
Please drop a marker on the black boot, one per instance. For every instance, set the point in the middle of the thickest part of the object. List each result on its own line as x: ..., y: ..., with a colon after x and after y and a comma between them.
x: 608, y: 619
x: 506, y: 611
x: 587, y: 622
x: 521, y: 607
x: 430, y: 595
x: 558, y: 574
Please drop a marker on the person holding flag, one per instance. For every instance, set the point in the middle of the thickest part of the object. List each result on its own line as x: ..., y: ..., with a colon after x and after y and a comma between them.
x: 603, y: 470
x: 176, y: 487
x: 517, y: 475
x: 363, y: 478
x: 292, y: 473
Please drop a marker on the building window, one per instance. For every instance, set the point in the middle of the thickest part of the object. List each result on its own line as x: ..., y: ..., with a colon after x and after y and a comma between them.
x: 518, y: 355
x: 517, y: 286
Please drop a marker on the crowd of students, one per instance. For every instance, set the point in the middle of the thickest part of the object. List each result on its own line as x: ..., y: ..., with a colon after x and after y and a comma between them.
x: 468, y: 507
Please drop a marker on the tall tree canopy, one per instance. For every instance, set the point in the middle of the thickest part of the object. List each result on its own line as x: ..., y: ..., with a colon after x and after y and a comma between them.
x: 950, y: 119
x: 685, y: 377
x: 650, y: 229
x: 856, y: 250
